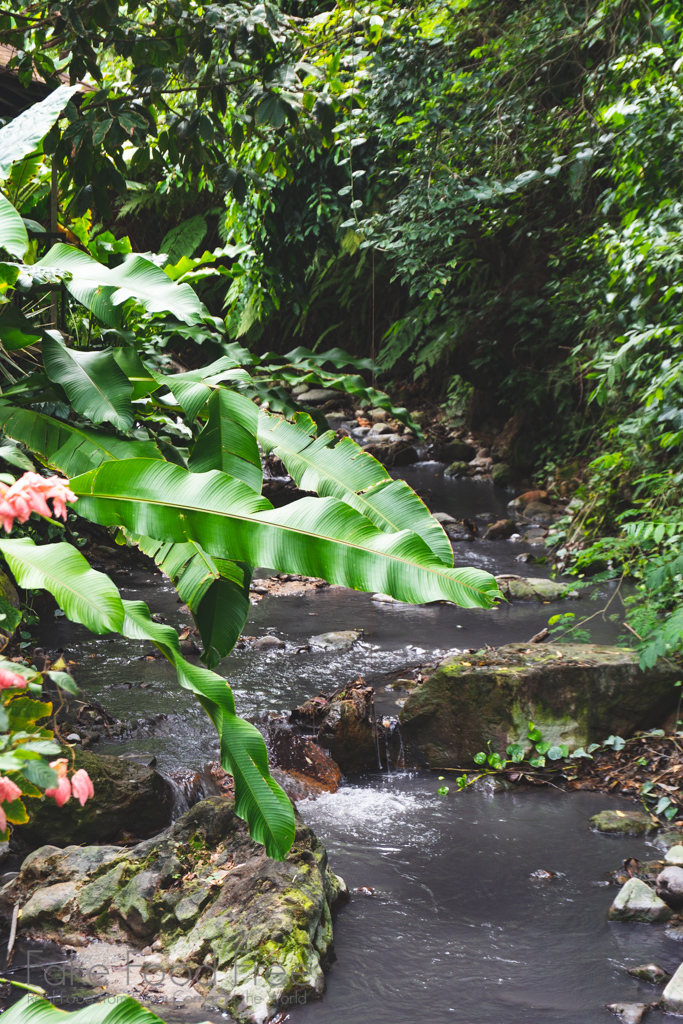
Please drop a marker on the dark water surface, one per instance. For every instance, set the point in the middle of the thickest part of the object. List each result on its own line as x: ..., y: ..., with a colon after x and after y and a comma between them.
x: 457, y: 930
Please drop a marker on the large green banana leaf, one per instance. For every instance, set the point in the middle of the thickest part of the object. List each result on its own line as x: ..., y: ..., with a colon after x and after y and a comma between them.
x: 124, y: 1010
x: 228, y: 442
x: 215, y: 590
x: 258, y: 798
x: 314, y: 536
x: 90, y: 597
x: 194, y: 388
x: 22, y: 134
x: 347, y: 472
x: 104, y: 289
x: 96, y: 385
x: 85, y: 595
x: 13, y: 236
x: 67, y: 448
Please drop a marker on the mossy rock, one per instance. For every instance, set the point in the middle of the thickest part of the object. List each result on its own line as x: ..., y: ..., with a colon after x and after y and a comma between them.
x: 631, y: 823
x: 204, y: 893
x: 457, y: 468
x: 502, y: 474
x: 575, y: 693
x: 127, y: 796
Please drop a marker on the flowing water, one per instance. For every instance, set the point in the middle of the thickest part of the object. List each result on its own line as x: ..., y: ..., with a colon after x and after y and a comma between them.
x: 456, y: 930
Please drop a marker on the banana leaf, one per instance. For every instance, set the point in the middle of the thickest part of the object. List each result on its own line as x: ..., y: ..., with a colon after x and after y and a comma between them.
x: 13, y: 236
x: 124, y: 1010
x: 96, y: 385
x: 103, y: 290
x: 347, y: 472
x: 65, y: 447
x: 313, y: 536
x: 215, y: 590
x: 22, y: 134
x: 228, y: 442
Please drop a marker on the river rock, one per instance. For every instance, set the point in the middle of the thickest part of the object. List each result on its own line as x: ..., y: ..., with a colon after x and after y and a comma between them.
x: 456, y: 468
x: 649, y: 972
x: 665, y: 840
x: 318, y: 396
x: 457, y: 532
x: 454, y: 451
x: 540, y: 512
x: 522, y: 500
x: 636, y: 901
x: 344, y: 725
x: 501, y: 530
x: 502, y: 474
x: 532, y: 588
x: 202, y: 893
x: 670, y: 887
x: 674, y: 855
x: 576, y: 693
x: 268, y: 643
x: 340, y: 640
x: 393, y: 453
x: 672, y: 996
x: 629, y: 1013
x: 632, y: 823
x: 127, y: 796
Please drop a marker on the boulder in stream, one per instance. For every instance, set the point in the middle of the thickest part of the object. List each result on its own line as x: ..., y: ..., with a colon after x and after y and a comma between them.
x: 649, y: 972
x: 254, y: 932
x: 532, y: 588
x: 575, y: 693
x: 127, y: 796
x: 629, y: 1013
x: 632, y: 823
x: 672, y: 997
x: 344, y: 725
x: 636, y: 901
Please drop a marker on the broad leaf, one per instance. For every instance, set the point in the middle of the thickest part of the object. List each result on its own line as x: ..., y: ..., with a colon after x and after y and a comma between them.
x: 228, y: 440
x: 9, y: 452
x: 122, y: 1010
x: 13, y: 236
x: 16, y: 330
x: 71, y: 450
x: 215, y: 590
x: 345, y: 471
x: 136, y: 371
x: 22, y: 134
x: 258, y: 798
x: 314, y: 536
x: 96, y: 385
x: 103, y: 289
x: 85, y: 595
x: 193, y: 388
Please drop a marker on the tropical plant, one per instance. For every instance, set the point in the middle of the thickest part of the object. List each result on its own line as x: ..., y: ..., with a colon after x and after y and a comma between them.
x: 170, y: 461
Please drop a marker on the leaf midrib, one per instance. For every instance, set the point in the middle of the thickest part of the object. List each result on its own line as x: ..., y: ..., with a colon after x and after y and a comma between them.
x: 101, y: 495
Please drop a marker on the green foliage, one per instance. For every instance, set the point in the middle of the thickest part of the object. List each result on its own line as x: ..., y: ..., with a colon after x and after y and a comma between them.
x: 34, y: 1010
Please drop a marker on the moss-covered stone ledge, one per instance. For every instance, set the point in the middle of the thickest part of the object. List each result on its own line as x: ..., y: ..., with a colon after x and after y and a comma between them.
x: 256, y: 933
x: 576, y: 694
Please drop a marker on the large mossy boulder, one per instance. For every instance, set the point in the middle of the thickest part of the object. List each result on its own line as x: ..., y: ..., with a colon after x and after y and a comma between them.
x: 575, y: 693
x: 128, y: 797
x: 253, y: 931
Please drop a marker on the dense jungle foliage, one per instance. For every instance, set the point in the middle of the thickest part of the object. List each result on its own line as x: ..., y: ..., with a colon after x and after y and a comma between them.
x: 482, y: 200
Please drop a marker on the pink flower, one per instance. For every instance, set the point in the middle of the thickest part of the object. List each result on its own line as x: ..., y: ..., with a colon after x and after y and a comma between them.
x: 81, y: 786
x: 62, y: 792
x: 10, y: 679
x: 3, y: 821
x: 9, y: 790
x: 29, y: 494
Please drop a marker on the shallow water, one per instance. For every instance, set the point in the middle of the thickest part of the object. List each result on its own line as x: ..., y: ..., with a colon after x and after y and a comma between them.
x: 457, y: 930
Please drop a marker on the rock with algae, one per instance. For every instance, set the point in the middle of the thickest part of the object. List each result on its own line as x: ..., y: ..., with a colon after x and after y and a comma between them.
x: 205, y: 896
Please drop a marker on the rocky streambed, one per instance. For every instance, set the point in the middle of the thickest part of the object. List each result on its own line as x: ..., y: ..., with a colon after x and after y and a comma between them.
x: 448, y: 912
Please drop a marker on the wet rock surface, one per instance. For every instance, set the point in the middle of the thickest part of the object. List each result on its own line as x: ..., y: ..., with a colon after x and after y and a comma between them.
x: 344, y: 725
x: 636, y: 901
x: 204, y: 896
x: 576, y: 694
x: 532, y: 588
x: 651, y: 973
x: 126, y: 794
x: 672, y: 997
x: 635, y: 823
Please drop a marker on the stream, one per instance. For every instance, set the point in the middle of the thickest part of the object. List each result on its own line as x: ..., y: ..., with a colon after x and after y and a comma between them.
x: 456, y: 929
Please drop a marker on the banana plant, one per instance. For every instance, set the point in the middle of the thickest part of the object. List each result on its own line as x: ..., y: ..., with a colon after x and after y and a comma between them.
x: 33, y: 1009
x: 170, y: 461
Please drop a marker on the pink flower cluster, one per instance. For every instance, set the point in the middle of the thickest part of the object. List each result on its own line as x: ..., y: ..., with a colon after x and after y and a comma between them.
x: 9, y: 791
x: 9, y: 680
x: 29, y: 494
x: 79, y: 785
